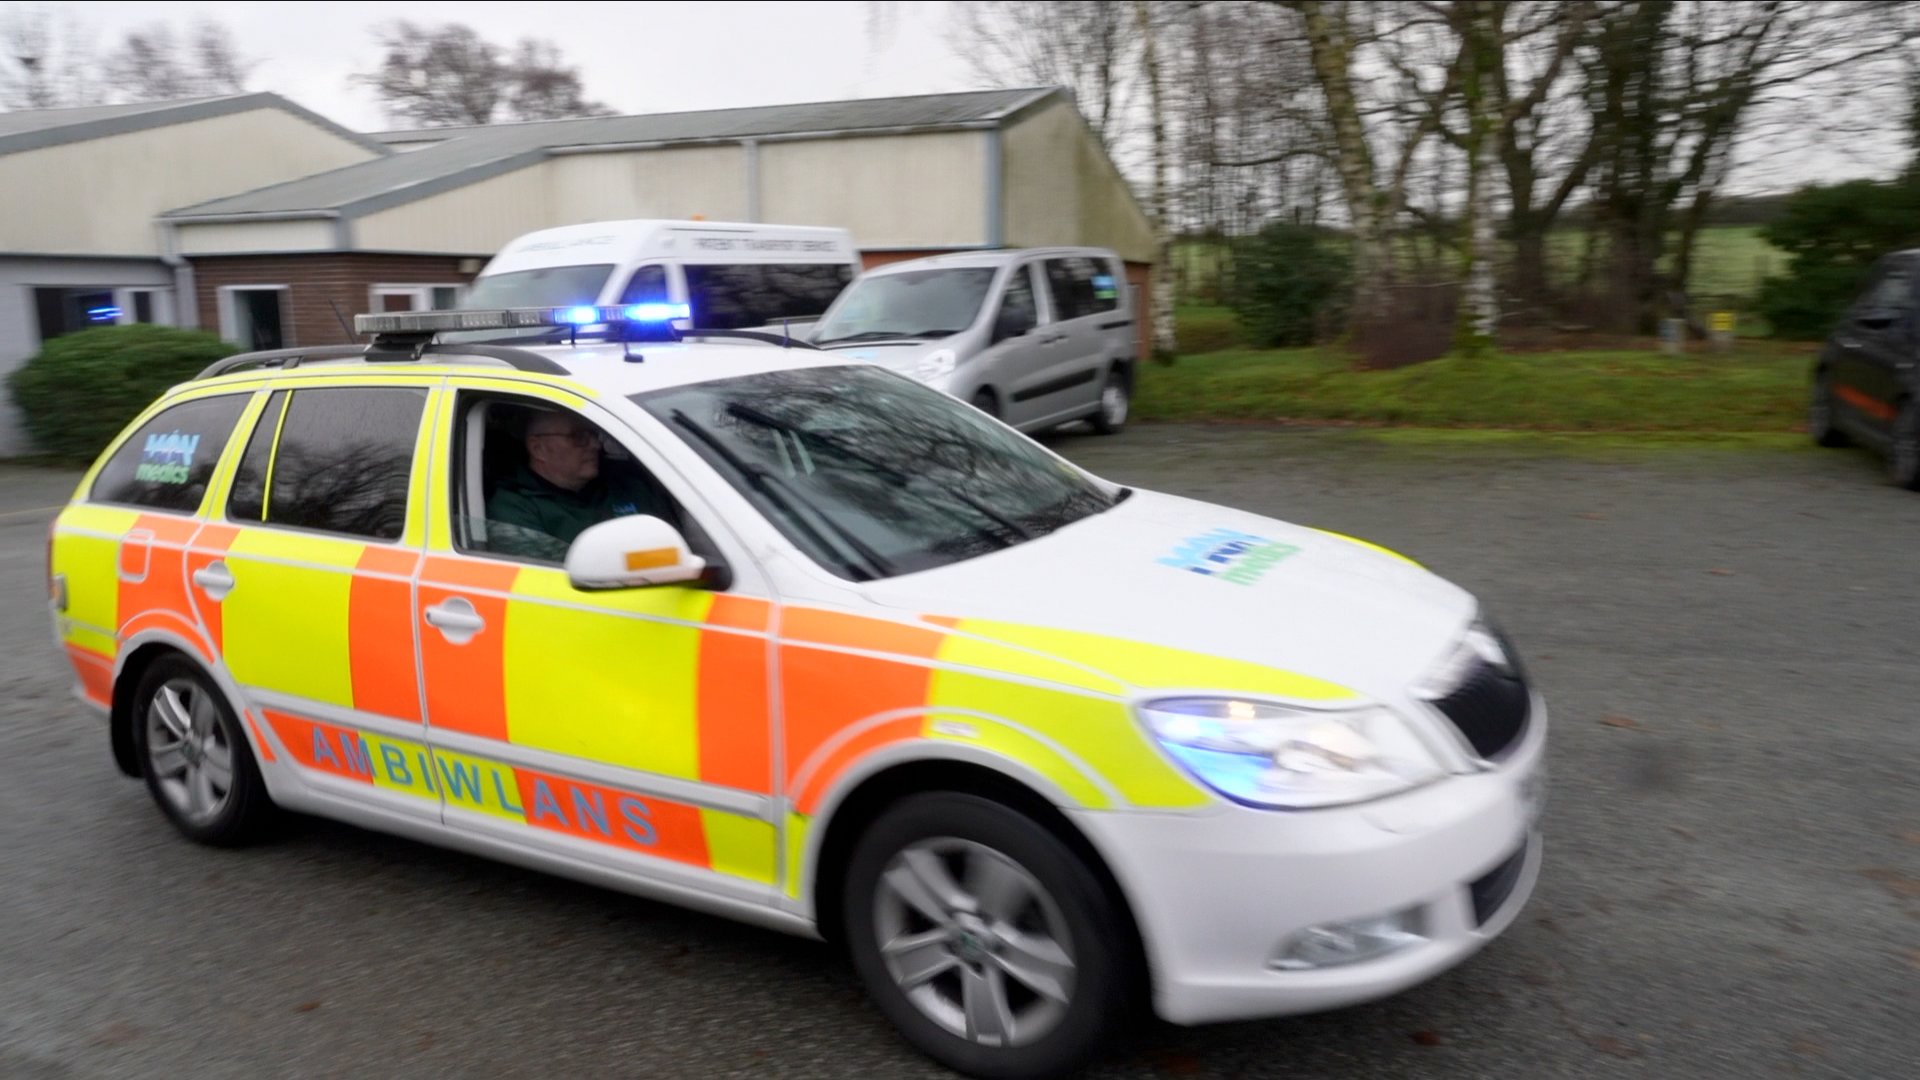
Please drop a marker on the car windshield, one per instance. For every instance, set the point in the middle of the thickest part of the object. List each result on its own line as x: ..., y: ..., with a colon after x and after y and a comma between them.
x: 549, y: 286
x: 909, y: 304
x: 871, y: 474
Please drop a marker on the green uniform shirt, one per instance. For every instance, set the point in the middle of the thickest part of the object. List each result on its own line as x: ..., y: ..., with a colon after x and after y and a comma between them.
x: 528, y: 516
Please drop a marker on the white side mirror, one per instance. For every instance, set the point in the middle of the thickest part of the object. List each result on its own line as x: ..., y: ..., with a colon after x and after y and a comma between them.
x: 630, y: 552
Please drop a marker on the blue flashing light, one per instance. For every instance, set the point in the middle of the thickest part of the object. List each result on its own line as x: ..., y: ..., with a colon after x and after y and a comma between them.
x: 103, y: 314
x: 658, y: 312
x: 581, y: 316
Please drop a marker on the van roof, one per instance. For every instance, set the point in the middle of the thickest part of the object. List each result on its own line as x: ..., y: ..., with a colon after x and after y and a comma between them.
x: 988, y: 257
x: 622, y: 243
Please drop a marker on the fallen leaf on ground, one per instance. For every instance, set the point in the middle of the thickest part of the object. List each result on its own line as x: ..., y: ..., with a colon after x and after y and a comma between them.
x: 1911, y: 837
x: 1913, y: 957
x: 1896, y: 882
x: 1681, y: 831
x: 1720, y: 570
x: 119, y: 1033
x: 1609, y: 1045
x: 308, y: 1007
x: 1619, y: 721
x: 1427, y: 1038
x: 1800, y: 1044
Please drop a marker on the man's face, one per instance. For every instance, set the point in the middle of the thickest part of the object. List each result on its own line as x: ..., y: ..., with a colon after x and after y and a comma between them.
x: 563, y: 449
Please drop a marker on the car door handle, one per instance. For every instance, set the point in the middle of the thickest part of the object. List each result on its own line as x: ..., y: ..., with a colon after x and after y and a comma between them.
x: 1053, y: 339
x: 215, y: 580
x: 456, y: 619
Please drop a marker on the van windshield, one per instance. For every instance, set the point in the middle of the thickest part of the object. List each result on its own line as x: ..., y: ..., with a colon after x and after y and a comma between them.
x: 736, y: 296
x: 910, y: 304
x: 549, y: 286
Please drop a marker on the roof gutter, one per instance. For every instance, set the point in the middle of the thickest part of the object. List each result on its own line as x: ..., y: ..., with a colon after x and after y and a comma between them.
x: 796, y: 136
x: 241, y: 219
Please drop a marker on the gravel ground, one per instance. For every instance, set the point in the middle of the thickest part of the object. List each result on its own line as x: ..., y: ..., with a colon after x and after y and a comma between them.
x: 1729, y: 641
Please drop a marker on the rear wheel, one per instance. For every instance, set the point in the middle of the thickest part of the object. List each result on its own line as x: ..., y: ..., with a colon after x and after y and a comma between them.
x: 1116, y: 399
x: 984, y: 938
x: 195, y: 757
x: 1903, y: 455
x: 1820, y: 425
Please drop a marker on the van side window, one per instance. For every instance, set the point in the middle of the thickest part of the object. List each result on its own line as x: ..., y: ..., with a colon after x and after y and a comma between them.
x: 648, y: 285
x: 336, y: 459
x: 1018, y: 314
x: 167, y: 463
x: 1081, y: 286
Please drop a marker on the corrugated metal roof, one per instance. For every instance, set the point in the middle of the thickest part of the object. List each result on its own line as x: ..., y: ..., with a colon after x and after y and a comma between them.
x: 467, y: 155
x: 32, y: 129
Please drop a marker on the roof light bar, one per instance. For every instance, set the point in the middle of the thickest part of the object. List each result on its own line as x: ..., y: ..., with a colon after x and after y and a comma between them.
x: 432, y: 322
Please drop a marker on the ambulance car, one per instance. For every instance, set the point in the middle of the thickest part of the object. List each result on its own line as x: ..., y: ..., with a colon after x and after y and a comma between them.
x: 870, y: 666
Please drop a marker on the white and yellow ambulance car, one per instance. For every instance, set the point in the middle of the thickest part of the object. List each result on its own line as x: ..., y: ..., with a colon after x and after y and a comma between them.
x: 870, y: 666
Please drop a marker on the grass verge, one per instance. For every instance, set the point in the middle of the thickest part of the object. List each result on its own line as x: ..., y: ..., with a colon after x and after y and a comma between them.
x: 1758, y: 389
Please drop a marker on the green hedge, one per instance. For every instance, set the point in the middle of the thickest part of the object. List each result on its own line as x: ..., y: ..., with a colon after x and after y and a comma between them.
x: 84, y: 387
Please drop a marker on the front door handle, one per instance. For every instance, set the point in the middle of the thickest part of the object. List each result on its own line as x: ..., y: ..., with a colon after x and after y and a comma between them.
x: 456, y: 619
x: 215, y: 580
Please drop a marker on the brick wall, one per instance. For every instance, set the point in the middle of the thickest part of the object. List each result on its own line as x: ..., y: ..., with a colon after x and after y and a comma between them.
x: 312, y: 280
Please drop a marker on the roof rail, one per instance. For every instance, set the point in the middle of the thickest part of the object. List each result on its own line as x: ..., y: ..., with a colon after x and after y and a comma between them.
x: 288, y: 359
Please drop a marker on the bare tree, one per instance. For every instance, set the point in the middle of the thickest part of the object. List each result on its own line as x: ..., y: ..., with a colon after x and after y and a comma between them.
x: 1085, y: 45
x: 440, y: 76
x: 45, y: 62
x: 1160, y: 284
x: 150, y: 64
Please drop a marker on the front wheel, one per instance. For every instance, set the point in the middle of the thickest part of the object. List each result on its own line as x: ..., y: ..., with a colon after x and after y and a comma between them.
x: 1116, y: 399
x: 198, y: 766
x: 984, y: 938
x: 1903, y: 455
x: 1820, y: 426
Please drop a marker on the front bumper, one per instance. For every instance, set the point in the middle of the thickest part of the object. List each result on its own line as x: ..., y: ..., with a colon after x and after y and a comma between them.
x: 1216, y: 893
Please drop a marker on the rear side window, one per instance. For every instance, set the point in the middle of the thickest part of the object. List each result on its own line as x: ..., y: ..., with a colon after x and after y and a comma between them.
x: 737, y: 295
x: 336, y: 459
x: 1081, y: 286
x: 648, y: 285
x: 167, y: 463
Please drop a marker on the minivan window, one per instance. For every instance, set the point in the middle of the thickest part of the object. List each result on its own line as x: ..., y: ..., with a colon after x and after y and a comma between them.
x: 1081, y: 286
x: 733, y: 296
x: 648, y: 285
x: 166, y: 464
x: 874, y: 475
x: 339, y: 460
x: 549, y: 286
x: 909, y: 304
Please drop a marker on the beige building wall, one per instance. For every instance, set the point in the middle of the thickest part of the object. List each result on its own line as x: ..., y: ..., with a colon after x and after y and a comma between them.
x: 100, y: 197
x: 242, y: 238
x: 698, y: 181
x: 472, y: 220
x: 1059, y: 188
x: 893, y: 191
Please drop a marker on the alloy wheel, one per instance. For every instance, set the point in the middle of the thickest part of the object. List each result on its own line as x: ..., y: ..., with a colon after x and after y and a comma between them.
x: 974, y: 941
x: 188, y: 751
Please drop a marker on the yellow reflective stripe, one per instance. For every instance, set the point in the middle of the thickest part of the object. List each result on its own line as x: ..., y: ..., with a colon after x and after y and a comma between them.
x: 741, y: 846
x: 1022, y: 747
x: 92, y: 639
x: 1099, y: 731
x: 425, y: 467
x: 586, y: 677
x: 273, y: 455
x: 1369, y: 546
x: 1149, y: 666
x: 964, y: 651
x: 401, y: 765
x: 796, y: 831
x: 478, y: 784
x: 91, y: 562
x: 214, y: 503
x: 285, y: 623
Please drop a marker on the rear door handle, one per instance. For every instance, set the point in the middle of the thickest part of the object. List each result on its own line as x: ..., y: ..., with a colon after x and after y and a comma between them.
x: 215, y: 580
x: 456, y: 620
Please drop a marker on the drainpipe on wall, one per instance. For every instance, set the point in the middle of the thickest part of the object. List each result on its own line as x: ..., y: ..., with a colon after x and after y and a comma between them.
x: 752, y: 150
x: 996, y: 210
x: 186, y: 304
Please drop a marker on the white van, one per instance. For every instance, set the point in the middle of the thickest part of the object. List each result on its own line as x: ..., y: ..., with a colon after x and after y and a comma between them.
x: 730, y: 276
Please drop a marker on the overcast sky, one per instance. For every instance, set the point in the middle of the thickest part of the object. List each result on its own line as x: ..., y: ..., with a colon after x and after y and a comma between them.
x: 636, y: 57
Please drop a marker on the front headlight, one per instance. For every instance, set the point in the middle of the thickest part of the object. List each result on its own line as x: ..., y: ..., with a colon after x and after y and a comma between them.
x: 1286, y: 757
x: 937, y: 364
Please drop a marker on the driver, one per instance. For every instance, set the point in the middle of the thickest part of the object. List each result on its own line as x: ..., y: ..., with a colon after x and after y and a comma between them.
x: 560, y: 491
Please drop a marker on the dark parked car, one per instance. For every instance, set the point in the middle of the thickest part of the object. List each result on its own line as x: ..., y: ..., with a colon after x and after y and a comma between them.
x: 1866, y: 387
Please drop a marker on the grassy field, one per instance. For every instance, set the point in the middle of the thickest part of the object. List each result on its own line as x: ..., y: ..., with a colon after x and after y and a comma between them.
x: 1761, y: 388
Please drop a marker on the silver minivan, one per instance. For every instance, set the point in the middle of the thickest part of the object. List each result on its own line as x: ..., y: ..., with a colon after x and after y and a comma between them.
x: 1033, y: 336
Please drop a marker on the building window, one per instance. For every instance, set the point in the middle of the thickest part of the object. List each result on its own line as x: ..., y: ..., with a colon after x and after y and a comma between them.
x: 254, y: 316
x: 63, y: 311
x: 384, y: 298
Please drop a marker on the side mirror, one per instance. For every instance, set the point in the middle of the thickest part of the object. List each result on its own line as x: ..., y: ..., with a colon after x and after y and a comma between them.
x: 629, y: 553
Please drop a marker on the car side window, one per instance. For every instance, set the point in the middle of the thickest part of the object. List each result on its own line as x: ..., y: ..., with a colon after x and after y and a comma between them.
x: 335, y: 459
x: 530, y: 476
x: 166, y: 464
x: 1080, y: 286
x: 648, y: 285
x: 1892, y: 291
x: 1018, y: 312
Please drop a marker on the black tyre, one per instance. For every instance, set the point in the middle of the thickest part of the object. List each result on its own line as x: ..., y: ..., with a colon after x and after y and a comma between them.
x: 985, y: 939
x: 195, y: 756
x: 1903, y: 453
x: 986, y: 401
x: 1820, y: 426
x: 1116, y: 401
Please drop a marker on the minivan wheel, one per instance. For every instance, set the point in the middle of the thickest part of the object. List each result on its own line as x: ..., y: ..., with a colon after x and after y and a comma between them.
x: 1116, y: 398
x: 986, y: 402
x: 984, y: 938
x: 1820, y: 426
x: 1903, y: 455
x: 195, y: 757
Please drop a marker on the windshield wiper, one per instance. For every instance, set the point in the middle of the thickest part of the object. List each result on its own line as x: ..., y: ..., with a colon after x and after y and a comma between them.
x: 883, y: 335
x: 764, y: 481
x: 905, y: 480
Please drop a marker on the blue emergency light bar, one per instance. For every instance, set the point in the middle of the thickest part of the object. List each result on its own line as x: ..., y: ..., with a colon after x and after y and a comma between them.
x: 433, y: 322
